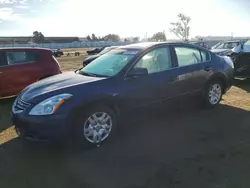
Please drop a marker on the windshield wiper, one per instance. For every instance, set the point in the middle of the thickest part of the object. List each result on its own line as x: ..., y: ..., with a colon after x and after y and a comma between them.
x: 87, y: 74
x: 90, y: 74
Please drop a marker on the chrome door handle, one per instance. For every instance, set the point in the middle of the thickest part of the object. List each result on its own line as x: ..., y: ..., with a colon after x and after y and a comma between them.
x: 172, y: 79
x: 208, y: 68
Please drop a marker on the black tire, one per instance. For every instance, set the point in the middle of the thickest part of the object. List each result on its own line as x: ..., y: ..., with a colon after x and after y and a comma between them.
x: 206, y: 98
x: 79, y: 136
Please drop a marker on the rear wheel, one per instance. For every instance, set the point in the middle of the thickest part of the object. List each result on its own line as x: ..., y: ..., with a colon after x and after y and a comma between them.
x: 95, y: 126
x: 213, y: 94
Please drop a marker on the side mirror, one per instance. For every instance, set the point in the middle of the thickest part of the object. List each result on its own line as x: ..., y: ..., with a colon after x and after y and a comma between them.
x: 135, y: 72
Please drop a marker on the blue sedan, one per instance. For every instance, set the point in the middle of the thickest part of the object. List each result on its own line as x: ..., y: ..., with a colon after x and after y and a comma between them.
x: 87, y: 103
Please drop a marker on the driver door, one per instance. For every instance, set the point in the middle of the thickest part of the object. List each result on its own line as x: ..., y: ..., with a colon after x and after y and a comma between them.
x: 155, y: 86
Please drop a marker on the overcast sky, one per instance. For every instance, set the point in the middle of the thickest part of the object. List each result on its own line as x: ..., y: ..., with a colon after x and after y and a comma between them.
x: 126, y: 18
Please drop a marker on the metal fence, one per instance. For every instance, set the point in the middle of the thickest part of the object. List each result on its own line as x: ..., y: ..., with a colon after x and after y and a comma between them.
x: 68, y: 45
x: 83, y: 44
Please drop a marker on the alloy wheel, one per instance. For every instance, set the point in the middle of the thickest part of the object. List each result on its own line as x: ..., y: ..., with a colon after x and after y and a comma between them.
x: 214, y: 94
x: 97, y: 127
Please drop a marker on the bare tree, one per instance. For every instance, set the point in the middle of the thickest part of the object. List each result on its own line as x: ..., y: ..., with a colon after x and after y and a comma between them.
x: 181, y: 27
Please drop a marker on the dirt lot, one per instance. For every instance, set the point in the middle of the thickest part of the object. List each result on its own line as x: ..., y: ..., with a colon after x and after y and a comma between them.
x: 72, y: 62
x: 188, y: 147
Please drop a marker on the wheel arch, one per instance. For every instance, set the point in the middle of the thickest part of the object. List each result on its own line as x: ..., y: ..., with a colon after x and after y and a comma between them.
x: 100, y: 102
x: 222, y: 78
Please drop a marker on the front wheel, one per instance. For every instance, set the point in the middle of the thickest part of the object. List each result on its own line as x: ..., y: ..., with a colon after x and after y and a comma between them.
x: 213, y: 94
x: 95, y: 126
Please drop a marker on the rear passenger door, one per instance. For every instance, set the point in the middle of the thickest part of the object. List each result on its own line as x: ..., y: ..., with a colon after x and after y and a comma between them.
x: 20, y: 71
x: 194, y: 67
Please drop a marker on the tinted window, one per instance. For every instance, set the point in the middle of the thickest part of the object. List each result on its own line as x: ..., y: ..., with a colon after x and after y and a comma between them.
x: 187, y: 56
x: 205, y: 56
x: 157, y: 60
x: 21, y: 57
x: 2, y: 59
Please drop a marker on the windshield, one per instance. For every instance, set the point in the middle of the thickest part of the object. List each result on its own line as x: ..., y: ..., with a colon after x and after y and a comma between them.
x: 109, y: 64
x: 106, y: 50
x: 227, y: 45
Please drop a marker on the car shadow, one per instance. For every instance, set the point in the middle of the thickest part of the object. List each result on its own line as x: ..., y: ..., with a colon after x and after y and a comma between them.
x: 5, y: 113
x: 242, y: 83
x: 146, y: 152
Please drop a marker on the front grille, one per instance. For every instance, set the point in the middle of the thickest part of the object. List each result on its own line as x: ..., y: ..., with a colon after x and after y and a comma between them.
x: 19, y: 106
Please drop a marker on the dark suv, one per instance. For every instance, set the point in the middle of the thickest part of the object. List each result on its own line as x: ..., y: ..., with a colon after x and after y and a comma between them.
x: 89, y: 102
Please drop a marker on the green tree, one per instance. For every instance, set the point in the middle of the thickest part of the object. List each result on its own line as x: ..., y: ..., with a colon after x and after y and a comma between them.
x: 159, y: 36
x: 88, y: 38
x: 112, y: 37
x: 93, y: 37
x: 181, y: 27
x: 136, y: 39
x: 38, y: 37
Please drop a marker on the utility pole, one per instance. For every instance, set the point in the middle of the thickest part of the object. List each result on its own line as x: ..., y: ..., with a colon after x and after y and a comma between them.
x: 232, y: 34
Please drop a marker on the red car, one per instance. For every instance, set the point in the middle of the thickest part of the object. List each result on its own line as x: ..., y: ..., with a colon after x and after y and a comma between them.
x: 201, y: 44
x: 20, y: 67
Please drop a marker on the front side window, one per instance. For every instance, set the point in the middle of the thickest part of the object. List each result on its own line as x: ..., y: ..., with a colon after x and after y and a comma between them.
x: 109, y: 64
x: 187, y: 56
x: 157, y: 60
x: 20, y: 57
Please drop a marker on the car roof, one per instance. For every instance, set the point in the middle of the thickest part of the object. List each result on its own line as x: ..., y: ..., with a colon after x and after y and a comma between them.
x: 145, y: 45
x: 141, y: 45
x: 228, y: 41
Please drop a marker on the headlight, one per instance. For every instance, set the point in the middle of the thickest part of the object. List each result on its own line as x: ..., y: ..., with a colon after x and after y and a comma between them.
x: 50, y: 105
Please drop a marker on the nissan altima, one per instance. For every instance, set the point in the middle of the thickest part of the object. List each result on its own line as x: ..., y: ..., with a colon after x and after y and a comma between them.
x: 89, y: 102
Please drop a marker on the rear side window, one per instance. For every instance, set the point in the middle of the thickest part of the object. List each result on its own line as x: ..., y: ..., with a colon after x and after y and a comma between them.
x: 21, y: 57
x: 205, y: 56
x: 187, y: 56
x: 2, y: 59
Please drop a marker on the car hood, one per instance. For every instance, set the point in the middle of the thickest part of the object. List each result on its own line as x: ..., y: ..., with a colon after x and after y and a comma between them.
x: 55, y: 83
x: 91, y: 58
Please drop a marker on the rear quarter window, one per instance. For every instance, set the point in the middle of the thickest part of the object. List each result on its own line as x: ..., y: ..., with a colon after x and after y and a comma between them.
x: 19, y: 57
x: 205, y: 56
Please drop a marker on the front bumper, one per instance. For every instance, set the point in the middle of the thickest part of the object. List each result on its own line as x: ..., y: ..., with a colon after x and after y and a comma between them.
x: 41, y: 128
